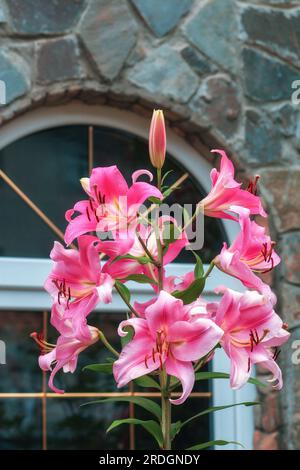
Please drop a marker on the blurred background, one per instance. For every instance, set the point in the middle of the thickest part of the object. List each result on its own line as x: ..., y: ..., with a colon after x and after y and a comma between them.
x: 81, y: 79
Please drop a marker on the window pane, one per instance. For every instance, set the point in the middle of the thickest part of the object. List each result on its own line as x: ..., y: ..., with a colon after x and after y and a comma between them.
x: 48, y: 165
x: 20, y: 424
x: 71, y: 426
x: 21, y: 372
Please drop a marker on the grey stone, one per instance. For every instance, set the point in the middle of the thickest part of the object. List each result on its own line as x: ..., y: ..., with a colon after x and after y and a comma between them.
x: 164, y: 72
x: 266, y: 78
x: 285, y: 118
x: 217, y: 102
x: 214, y: 31
x: 32, y: 17
x: 197, y: 61
x: 12, y: 75
x: 262, y: 140
x: 58, y: 59
x: 109, y: 34
x: 276, y: 29
x: 162, y: 16
x: 290, y: 256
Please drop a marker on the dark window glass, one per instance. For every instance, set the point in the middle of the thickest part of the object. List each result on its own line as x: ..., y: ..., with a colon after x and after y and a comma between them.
x: 48, y: 165
x: 21, y: 372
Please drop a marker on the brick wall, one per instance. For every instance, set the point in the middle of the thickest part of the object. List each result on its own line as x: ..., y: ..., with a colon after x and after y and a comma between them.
x: 222, y: 70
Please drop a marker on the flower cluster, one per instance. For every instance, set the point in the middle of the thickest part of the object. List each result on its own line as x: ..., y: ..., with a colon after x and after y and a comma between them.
x: 176, y: 331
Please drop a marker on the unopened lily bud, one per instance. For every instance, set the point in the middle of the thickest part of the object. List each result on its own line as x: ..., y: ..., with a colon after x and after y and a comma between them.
x: 157, y: 139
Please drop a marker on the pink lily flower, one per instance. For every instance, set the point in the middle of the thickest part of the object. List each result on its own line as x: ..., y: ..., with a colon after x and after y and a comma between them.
x: 122, y: 268
x: 157, y: 139
x: 77, y: 284
x: 63, y: 355
x: 111, y: 207
x: 227, y: 196
x: 168, y: 338
x: 252, y: 333
x: 251, y: 252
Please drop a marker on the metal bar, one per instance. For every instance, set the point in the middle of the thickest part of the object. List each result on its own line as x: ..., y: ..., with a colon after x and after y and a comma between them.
x: 91, y: 149
x: 98, y: 395
x: 44, y: 389
x: 32, y: 205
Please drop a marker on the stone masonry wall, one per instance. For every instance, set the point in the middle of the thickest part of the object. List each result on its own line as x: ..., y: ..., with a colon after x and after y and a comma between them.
x: 222, y: 70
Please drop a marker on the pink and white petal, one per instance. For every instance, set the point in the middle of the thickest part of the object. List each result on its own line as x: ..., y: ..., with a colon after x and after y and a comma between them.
x: 240, y: 370
x: 138, y: 324
x: 46, y: 360
x: 104, y: 288
x: 109, y: 181
x: 79, y: 226
x: 163, y: 312
x: 192, y: 341
x: 136, y: 175
x: 274, y: 368
x: 184, y: 372
x: 135, y: 360
x: 138, y: 193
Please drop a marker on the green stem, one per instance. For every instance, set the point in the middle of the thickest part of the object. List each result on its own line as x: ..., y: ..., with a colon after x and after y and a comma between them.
x: 107, y: 344
x: 166, y: 411
x: 209, y: 270
x: 131, y: 308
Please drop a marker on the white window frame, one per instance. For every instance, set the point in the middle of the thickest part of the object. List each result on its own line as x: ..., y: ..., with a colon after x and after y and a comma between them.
x: 21, y: 279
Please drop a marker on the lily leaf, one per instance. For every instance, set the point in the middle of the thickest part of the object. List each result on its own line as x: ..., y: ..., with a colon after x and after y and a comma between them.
x: 146, y: 382
x: 124, y: 290
x: 224, y: 375
x: 175, y: 428
x: 212, y: 409
x: 145, y: 403
x: 151, y: 426
x: 140, y: 259
x: 213, y: 443
x: 103, y: 368
x: 192, y: 292
x: 141, y: 278
x: 199, y: 270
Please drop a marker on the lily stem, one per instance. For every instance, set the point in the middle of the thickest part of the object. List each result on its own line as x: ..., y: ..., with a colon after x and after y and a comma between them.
x: 164, y: 378
x: 107, y: 344
x: 131, y: 308
x: 165, y: 410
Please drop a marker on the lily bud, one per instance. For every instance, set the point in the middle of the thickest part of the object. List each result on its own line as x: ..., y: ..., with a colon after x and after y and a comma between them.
x: 157, y: 139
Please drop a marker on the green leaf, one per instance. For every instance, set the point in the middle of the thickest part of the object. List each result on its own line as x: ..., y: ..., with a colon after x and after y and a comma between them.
x: 139, y: 259
x: 224, y: 375
x: 199, y: 270
x: 175, y: 428
x: 165, y: 175
x: 141, y: 278
x: 103, y: 368
x: 212, y: 409
x: 192, y: 292
x: 145, y: 403
x: 125, y: 292
x: 130, y: 334
x: 213, y: 443
x: 154, y: 200
x: 151, y: 426
x: 147, y: 382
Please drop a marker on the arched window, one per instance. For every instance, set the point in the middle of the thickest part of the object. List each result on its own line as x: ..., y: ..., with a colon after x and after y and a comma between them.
x: 45, y: 154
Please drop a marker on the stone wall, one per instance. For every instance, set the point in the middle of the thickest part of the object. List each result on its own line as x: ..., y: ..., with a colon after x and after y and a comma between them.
x: 222, y: 70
